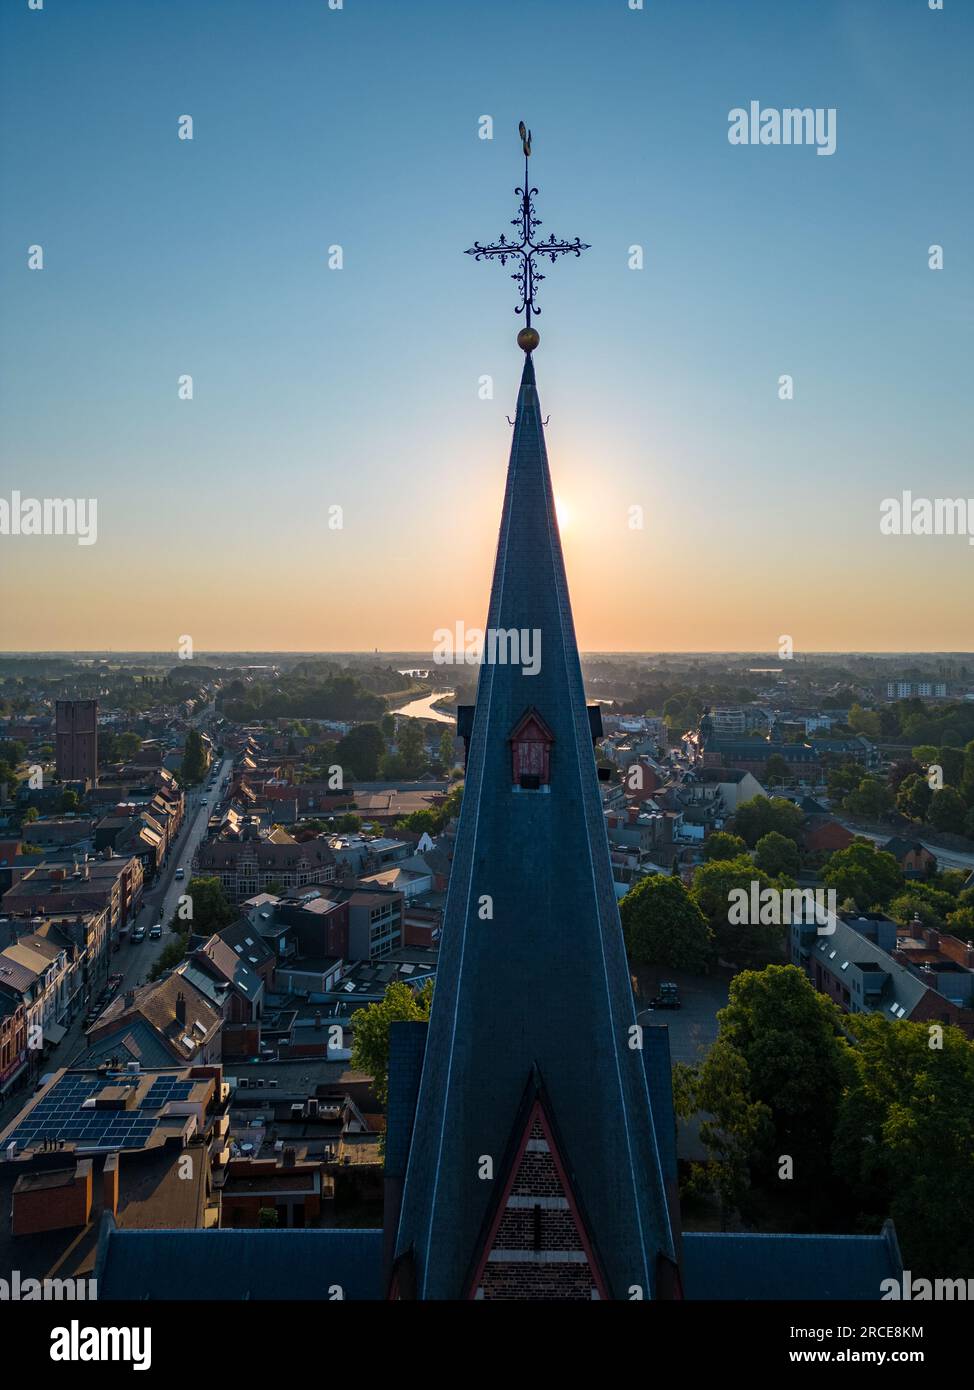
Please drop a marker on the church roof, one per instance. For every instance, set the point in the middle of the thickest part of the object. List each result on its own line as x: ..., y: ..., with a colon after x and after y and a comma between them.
x: 765, y: 1267
x: 537, y: 861
x: 239, y: 1264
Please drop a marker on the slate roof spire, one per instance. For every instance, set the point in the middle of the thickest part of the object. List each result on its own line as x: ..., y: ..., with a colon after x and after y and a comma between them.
x: 533, y: 988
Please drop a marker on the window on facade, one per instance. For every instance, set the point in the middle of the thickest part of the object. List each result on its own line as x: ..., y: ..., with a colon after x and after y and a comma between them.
x: 537, y: 1225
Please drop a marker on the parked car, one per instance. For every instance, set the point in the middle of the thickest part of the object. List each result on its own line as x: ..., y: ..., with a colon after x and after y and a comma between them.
x: 668, y: 998
x: 180, y: 872
x: 138, y: 935
x: 155, y: 931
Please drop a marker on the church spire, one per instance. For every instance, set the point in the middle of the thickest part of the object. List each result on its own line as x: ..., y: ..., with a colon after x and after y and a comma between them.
x: 533, y: 1121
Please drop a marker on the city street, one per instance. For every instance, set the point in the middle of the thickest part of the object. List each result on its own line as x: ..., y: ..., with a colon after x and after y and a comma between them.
x: 133, y: 961
x: 946, y: 858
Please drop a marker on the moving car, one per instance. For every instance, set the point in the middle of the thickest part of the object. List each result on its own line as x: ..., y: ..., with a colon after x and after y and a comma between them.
x: 138, y: 935
x: 180, y: 872
x: 155, y: 931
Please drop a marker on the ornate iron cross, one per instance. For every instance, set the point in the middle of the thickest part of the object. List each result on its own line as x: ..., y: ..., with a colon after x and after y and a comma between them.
x: 523, y: 252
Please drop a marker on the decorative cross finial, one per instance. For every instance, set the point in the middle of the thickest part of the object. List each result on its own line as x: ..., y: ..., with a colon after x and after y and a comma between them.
x: 522, y: 252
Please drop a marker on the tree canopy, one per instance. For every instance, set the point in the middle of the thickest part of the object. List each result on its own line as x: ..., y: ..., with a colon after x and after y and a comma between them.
x: 870, y: 877
x: 762, y: 814
x: 663, y: 925
x: 370, y: 1028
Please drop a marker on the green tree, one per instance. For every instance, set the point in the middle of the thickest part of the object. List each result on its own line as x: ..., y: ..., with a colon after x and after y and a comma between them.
x: 776, y: 854
x: 933, y: 904
x: 211, y: 910
x: 960, y: 923
x: 722, y: 845
x: 370, y: 1028
x: 446, y: 749
x: 864, y: 721
x: 126, y: 747
x: 30, y: 815
x: 905, y: 907
x: 412, y: 748
x: 914, y: 796
x: 790, y: 1038
x: 735, y: 1129
x: 871, y: 800
x: 967, y: 777
x: 419, y: 821
x: 776, y: 771
x: 13, y: 751
x: 843, y: 779
x: 870, y: 877
x: 748, y: 943
x: 170, y: 955
x: 924, y: 753
x: 951, y: 760
x: 947, y: 811
x: 392, y: 767
x: 194, y: 763
x: 757, y: 817
x: 905, y: 1138
x: 69, y: 801
x: 662, y: 925
x: 358, y: 753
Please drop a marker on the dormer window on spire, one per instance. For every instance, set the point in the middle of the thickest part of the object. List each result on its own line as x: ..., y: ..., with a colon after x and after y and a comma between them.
x: 531, y: 742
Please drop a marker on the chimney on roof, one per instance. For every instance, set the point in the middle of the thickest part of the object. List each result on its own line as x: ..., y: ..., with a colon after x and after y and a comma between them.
x: 288, y: 1158
x: 129, y: 998
x: 181, y: 1008
x: 109, y: 1180
x: 633, y: 812
x: 317, y: 1019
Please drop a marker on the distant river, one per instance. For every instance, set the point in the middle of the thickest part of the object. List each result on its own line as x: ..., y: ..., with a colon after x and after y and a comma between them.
x: 423, y: 709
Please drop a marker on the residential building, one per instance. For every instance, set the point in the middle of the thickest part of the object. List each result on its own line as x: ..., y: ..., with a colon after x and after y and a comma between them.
x: 110, y: 885
x: 915, y: 860
x: 156, y: 1025
x: 254, y: 866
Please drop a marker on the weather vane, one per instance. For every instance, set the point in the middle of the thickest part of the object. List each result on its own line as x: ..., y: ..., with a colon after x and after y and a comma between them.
x: 523, y: 252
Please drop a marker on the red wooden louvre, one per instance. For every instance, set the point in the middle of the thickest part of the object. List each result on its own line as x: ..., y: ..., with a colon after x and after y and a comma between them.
x: 531, y: 742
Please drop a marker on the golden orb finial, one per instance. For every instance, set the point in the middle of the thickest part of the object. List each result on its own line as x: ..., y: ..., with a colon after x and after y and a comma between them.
x: 528, y: 339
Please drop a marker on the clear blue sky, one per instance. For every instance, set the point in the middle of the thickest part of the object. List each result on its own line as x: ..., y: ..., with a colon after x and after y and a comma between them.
x: 359, y: 386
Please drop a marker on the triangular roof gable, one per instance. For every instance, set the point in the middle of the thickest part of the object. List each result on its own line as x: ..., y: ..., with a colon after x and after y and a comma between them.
x: 536, y: 1179
x: 532, y: 726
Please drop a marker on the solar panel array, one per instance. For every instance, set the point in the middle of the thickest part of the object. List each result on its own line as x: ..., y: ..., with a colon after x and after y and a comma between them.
x: 60, y: 1115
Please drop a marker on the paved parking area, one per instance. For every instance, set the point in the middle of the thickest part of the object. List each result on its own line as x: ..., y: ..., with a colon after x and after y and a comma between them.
x: 693, y: 1027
